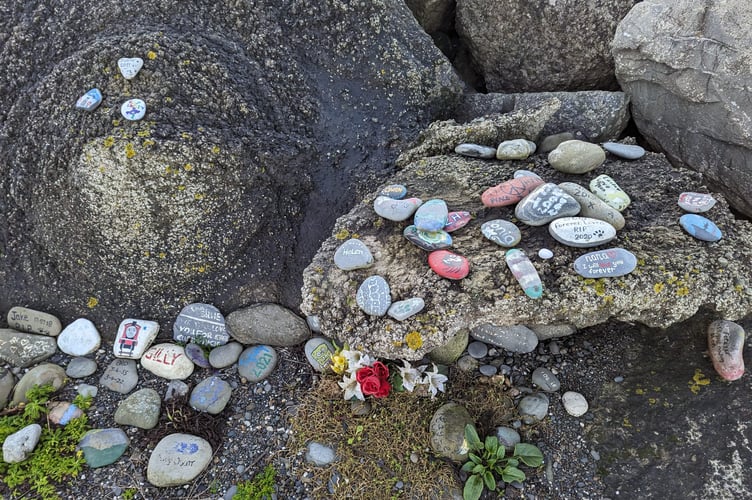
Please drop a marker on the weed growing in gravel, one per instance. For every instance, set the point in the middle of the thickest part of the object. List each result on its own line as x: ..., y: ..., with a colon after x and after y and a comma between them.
x: 259, y: 488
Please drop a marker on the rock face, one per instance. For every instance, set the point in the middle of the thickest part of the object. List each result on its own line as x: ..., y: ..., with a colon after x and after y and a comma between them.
x: 225, y: 188
x: 684, y: 65
x: 675, y: 274
x: 569, y: 51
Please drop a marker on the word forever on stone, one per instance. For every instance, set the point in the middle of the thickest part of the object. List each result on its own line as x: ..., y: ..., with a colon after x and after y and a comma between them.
x: 609, y: 263
x: 544, y: 204
x: 201, y: 323
x: 374, y: 296
x: 524, y: 272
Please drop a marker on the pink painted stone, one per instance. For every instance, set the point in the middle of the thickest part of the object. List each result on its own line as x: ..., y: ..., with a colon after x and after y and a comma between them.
x: 448, y: 265
x: 456, y: 220
x: 726, y: 346
x: 510, y: 192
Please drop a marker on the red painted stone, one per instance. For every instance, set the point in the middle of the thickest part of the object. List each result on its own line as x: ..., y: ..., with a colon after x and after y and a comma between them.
x: 448, y: 265
x: 456, y: 220
x: 510, y: 192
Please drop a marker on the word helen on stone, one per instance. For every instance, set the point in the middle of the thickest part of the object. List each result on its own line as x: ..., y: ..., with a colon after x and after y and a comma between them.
x: 700, y: 227
x: 90, y: 100
x: 609, y: 263
x: 581, y: 232
x: 524, y: 272
x: 448, y: 265
x: 696, y: 203
x: 201, y: 323
x: 133, y: 337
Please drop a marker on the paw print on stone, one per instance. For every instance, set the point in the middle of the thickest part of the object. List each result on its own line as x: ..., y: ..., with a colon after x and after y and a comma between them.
x: 598, y: 233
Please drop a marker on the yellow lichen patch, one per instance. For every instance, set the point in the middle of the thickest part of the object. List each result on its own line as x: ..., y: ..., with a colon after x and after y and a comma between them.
x: 187, y: 167
x: 397, y: 343
x: 108, y: 141
x: 148, y: 143
x: 215, y: 149
x: 342, y: 234
x: 144, y: 133
x: 682, y: 291
x: 168, y: 99
x: 92, y: 302
x: 738, y: 288
x: 181, y: 187
x: 626, y: 422
x: 658, y: 287
x: 652, y: 401
x: 147, y: 253
x: 672, y: 280
x: 698, y: 380
x: 116, y: 123
x: 198, y: 196
x: 185, y: 135
x: 130, y: 151
x: 640, y: 391
x: 151, y: 55
x: 414, y: 340
x: 161, y: 255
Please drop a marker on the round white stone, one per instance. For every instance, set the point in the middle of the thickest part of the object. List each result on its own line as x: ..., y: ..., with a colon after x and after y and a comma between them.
x: 178, y: 459
x: 575, y: 403
x: 133, y: 109
x: 545, y: 253
x: 79, y: 338
x: 167, y: 361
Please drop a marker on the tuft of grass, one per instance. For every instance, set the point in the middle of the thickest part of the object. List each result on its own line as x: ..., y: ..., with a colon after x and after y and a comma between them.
x: 259, y: 488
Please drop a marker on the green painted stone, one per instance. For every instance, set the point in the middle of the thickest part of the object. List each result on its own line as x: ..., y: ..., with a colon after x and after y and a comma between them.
x: 103, y: 446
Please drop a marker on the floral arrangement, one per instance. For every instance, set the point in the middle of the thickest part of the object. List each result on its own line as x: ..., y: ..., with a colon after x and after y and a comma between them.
x: 364, y: 376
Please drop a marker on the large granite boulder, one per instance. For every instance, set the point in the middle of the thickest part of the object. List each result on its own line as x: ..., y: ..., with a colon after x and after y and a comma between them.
x: 675, y: 276
x: 686, y: 66
x: 523, y: 46
x: 261, y: 125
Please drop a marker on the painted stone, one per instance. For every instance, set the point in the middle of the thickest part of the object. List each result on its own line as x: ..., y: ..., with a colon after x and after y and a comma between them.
x: 609, y: 263
x: 592, y: 206
x: 197, y: 355
x: 225, y: 355
x: 524, y: 272
x: 576, y: 157
x: 353, y: 254
x: 515, y: 149
x: 130, y: 66
x: 545, y: 254
x: 428, y: 241
x: 526, y: 173
x: 79, y: 338
x: 700, y: 227
x: 133, y: 109
x: 80, y: 367
x: 103, y: 446
x: 626, y: 151
x: 24, y: 349
x: 581, y: 232
x: 545, y: 379
x: 62, y: 412
x: 319, y: 352
x: 257, y: 362
x: 476, y: 151
x: 200, y: 323
x: 544, y: 204
x: 574, y: 403
x: 501, y: 232
x: 605, y: 188
x: 167, y: 361
x: 696, y: 203
x: 120, y: 376
x: 133, y: 337
x: 510, y: 192
x: 396, y: 210
x: 394, y: 191
x: 405, y: 308
x: 448, y: 265
x: 726, y: 347
x: 513, y: 338
x: 431, y: 216
x: 457, y: 220
x: 90, y: 100
x: 31, y: 321
x: 211, y: 395
x: 178, y: 459
x: 374, y: 296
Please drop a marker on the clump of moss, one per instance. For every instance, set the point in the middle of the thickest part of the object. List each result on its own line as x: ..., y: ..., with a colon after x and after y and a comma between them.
x: 259, y: 488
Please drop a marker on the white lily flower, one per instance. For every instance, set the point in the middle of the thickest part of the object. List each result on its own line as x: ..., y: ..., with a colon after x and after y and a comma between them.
x: 434, y: 380
x: 356, y: 360
x: 410, y: 376
x: 351, y: 387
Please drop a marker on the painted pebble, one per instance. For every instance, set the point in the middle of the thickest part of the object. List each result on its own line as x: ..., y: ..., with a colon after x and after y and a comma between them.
x: 696, y: 203
x: 510, y: 192
x: 211, y: 395
x: 501, y: 232
x: 546, y: 203
x: 62, y: 412
x: 516, y: 149
x: 374, y: 296
x: 524, y: 272
x: 178, y: 459
x: 428, y: 241
x: 130, y: 66
x: 700, y: 227
x: 319, y: 352
x: 197, y: 355
x: 201, y: 323
x: 592, y: 206
x: 581, y: 232
x: 396, y: 210
x: 545, y: 379
x: 576, y: 157
x: 353, y: 254
x: 448, y: 265
x: 476, y: 151
x: 79, y: 338
x: 133, y: 337
x: 120, y: 376
x: 513, y: 338
x: 609, y: 263
x: 574, y: 403
x: 526, y: 173
x: 32, y: 321
x: 626, y: 151
x: 167, y: 361
x: 457, y: 220
x: 90, y: 100
x: 103, y: 446
x: 431, y: 216
x: 405, y: 308
x: 257, y: 362
x: 605, y: 188
x: 133, y: 109
x: 394, y: 191
x: 726, y: 347
x: 24, y: 349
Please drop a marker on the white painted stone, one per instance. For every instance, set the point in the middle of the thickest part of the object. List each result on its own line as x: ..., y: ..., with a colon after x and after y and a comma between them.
x: 79, y: 338
x: 178, y: 459
x: 167, y: 361
x: 133, y: 109
x: 581, y: 232
x: 133, y: 337
x: 130, y: 66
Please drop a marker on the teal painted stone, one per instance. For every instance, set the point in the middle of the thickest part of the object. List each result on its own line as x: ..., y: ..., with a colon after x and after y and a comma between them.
x: 428, y: 241
x: 257, y: 362
x: 700, y: 227
x: 405, y: 308
x: 431, y: 216
x: 609, y: 263
x: 501, y: 232
x: 103, y: 446
x: 524, y: 272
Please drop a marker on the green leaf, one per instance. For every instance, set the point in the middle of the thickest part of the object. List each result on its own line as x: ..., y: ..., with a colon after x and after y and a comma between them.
x: 479, y: 469
x: 471, y: 435
x: 473, y: 488
x: 468, y: 466
x: 511, y: 474
x: 501, y: 451
x: 513, y: 462
x: 492, y: 444
x: 529, y: 454
x: 474, y: 458
x: 490, y: 481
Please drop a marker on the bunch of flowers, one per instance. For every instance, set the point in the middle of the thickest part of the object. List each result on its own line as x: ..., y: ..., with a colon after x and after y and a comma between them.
x: 364, y: 376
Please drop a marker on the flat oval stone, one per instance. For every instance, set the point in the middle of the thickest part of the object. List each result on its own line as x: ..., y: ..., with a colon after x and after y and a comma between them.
x: 130, y: 66
x: 319, y: 352
x: 609, y: 263
x: 120, y: 376
x: 374, y: 296
x: 19, y: 445
x: 544, y: 204
x: 448, y: 265
x: 62, y: 412
x: 457, y: 220
x: 201, y: 323
x: 431, y: 216
x: 696, y: 203
x: 513, y: 338
x: 515, y: 149
x: 524, y: 272
x: 353, y: 254
x: 225, y: 355
x: 167, y: 361
x: 488, y: 370
x: 25, y: 349
x: 626, y: 151
x: 396, y: 210
x: 90, y: 100
x: 501, y: 232
x: 533, y: 408
x: 545, y: 379
x: 257, y: 362
x: 197, y: 355
x: 140, y: 409
x: 574, y: 403
x: 526, y: 173
x: 576, y: 157
x: 581, y: 232
x: 43, y: 374
x: 133, y: 337
x: 477, y: 349
x: 545, y: 254
x: 80, y: 367
x: 592, y: 206
x: 510, y: 192
x: 79, y: 338
x: 700, y: 227
x: 726, y: 347
x: 211, y: 395
x: 475, y: 151
x: 133, y: 109
x: 394, y: 191
x: 178, y: 459
x: 428, y: 241
x: 103, y: 446
x: 403, y: 309
x: 605, y: 188
x: 31, y: 321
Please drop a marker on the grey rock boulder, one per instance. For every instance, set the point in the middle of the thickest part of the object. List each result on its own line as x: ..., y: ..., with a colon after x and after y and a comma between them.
x: 269, y: 324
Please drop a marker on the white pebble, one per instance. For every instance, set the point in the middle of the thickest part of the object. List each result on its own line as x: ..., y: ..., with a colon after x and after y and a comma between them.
x: 545, y: 253
x: 575, y: 403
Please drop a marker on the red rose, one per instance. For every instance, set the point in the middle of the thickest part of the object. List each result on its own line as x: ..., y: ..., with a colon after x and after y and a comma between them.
x: 364, y: 373
x: 380, y: 370
x: 370, y: 385
x: 383, y: 391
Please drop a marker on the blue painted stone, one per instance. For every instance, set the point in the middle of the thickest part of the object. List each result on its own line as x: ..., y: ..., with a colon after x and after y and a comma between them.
x: 133, y: 109
x: 457, y: 220
x: 476, y: 151
x: 501, y: 232
x: 257, y: 362
x: 405, y: 308
x: 374, y: 296
x: 211, y: 395
x: 103, y: 446
x: 700, y: 227
x: 394, y: 191
x: 396, y: 210
x: 626, y: 151
x: 431, y: 216
x: 196, y: 354
x: 609, y: 263
x: 353, y: 254
x: 427, y: 241
x: 524, y: 272
x: 90, y: 100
